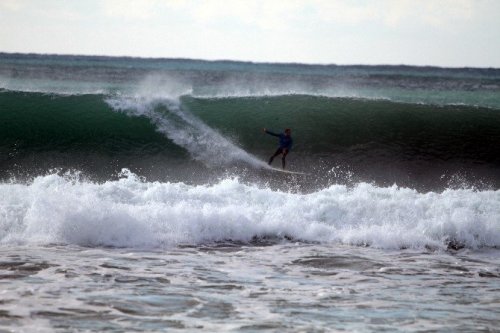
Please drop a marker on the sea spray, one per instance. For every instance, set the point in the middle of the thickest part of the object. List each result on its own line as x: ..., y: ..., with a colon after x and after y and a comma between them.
x: 179, y: 125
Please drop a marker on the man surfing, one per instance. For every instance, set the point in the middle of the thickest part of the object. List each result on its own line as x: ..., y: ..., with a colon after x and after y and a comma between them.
x: 284, y: 147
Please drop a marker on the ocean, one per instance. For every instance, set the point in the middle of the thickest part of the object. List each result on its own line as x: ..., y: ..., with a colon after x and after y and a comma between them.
x: 135, y: 195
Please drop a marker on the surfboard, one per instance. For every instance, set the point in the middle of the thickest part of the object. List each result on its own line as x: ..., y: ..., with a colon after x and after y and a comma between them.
x: 287, y: 171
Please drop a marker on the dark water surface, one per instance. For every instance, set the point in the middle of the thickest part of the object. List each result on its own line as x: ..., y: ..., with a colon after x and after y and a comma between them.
x: 283, y: 287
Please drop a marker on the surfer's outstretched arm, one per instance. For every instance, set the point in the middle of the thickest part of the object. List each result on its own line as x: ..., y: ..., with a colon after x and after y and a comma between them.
x: 270, y: 133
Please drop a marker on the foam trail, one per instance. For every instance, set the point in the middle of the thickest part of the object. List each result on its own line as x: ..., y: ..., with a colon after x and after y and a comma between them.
x: 133, y: 213
x: 203, y: 143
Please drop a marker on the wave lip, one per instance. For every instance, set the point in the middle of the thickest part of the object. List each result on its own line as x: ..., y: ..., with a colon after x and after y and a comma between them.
x: 131, y: 212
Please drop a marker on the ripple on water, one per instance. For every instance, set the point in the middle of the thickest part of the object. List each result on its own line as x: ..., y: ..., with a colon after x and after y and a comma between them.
x: 337, y: 262
x: 284, y: 287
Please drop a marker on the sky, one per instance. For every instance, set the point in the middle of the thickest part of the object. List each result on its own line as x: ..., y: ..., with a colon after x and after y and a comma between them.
x: 450, y: 33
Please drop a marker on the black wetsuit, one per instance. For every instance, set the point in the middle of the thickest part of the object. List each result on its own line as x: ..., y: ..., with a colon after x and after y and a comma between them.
x: 284, y: 147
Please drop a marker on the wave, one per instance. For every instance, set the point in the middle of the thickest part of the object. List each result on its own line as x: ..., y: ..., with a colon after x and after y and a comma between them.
x: 377, y: 140
x: 187, y: 128
x: 223, y: 127
x: 131, y: 212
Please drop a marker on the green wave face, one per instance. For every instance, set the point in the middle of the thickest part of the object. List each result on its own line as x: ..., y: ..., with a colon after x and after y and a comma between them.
x: 211, y: 135
x: 84, y: 123
x: 367, y: 128
x: 320, y: 125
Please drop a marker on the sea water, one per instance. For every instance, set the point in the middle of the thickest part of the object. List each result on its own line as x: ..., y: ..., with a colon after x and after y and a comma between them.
x: 255, y: 287
x: 134, y: 196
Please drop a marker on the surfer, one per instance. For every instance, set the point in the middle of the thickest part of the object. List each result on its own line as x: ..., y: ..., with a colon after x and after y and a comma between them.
x: 284, y: 147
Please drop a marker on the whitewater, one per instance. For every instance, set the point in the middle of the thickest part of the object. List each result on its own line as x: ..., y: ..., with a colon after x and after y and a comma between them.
x: 135, y: 196
x: 129, y: 212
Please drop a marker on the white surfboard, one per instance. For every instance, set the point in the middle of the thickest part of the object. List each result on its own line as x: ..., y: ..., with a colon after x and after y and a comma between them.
x: 287, y: 171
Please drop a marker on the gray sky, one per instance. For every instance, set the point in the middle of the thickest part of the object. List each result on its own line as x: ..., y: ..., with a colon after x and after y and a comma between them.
x: 416, y: 32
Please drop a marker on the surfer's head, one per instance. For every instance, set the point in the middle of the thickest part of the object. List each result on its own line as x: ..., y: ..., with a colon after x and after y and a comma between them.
x: 288, y: 131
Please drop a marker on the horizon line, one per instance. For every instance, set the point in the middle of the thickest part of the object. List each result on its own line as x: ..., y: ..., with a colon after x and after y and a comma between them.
x: 284, y: 63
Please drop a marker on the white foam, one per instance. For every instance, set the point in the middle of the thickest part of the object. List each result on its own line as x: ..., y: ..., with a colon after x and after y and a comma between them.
x: 133, y: 213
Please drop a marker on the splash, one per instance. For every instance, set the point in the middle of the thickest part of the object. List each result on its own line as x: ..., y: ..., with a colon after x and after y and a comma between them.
x: 203, y: 143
